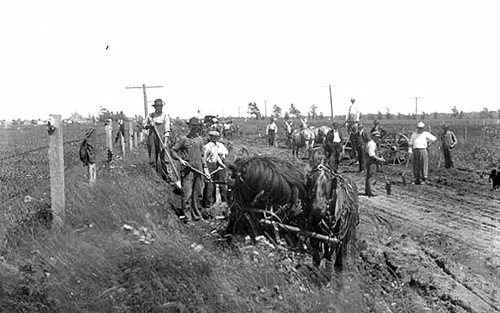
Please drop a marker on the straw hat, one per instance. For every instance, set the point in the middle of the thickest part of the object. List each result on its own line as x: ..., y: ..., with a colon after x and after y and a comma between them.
x: 420, y: 125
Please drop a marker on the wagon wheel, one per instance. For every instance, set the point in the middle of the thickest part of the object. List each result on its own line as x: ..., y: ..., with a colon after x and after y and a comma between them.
x: 394, y: 148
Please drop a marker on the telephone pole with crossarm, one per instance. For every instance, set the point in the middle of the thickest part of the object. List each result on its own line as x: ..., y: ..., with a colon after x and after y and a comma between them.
x: 145, y: 97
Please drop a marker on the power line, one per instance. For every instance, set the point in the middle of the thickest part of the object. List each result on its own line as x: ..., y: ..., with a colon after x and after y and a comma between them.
x: 145, y: 97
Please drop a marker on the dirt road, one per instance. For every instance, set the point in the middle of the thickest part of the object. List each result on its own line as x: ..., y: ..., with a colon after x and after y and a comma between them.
x: 427, y: 248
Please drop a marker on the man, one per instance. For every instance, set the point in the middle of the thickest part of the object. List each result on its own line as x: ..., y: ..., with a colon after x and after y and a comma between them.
x: 371, y: 159
x: 333, y: 146
x: 377, y: 128
x: 160, y: 121
x: 121, y: 129
x: 361, y: 138
x: 448, y: 142
x: 419, y: 142
x: 189, y: 151
x: 289, y: 131
x: 215, y: 154
x: 271, y: 131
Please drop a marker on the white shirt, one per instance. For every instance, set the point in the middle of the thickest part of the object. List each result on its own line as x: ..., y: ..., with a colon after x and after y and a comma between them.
x: 371, y: 148
x: 158, y: 119
x: 422, y: 140
x: 336, y: 136
x: 271, y: 126
x: 215, y: 152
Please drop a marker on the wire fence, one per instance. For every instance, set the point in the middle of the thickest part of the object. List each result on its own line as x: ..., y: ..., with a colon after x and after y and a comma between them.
x: 25, y: 175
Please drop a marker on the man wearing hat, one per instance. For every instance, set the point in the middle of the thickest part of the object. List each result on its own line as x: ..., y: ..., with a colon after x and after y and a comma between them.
x: 371, y: 151
x: 271, y: 131
x: 160, y: 121
x: 189, y: 151
x: 419, y: 141
x: 448, y: 142
x: 215, y: 154
x: 377, y: 128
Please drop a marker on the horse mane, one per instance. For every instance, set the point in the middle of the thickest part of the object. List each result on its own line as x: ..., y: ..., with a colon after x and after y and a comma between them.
x: 279, y: 180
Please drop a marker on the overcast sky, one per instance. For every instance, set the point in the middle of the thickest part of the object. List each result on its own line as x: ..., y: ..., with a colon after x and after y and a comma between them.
x: 217, y: 56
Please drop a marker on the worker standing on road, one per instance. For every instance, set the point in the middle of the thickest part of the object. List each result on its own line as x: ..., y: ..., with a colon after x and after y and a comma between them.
x: 448, y: 142
x: 372, y: 158
x: 361, y: 138
x: 189, y: 151
x: 271, y: 131
x: 419, y: 141
x: 161, y: 121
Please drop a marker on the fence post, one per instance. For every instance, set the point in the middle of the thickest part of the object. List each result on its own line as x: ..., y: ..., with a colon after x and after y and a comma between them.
x: 122, y: 143
x: 131, y: 135
x: 136, y: 145
x: 465, y: 135
x: 108, y: 128
x: 56, y: 166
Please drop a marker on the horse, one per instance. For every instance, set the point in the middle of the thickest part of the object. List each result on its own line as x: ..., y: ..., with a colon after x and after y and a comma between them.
x: 264, y: 186
x: 320, y: 133
x: 333, y: 212
x: 303, y: 138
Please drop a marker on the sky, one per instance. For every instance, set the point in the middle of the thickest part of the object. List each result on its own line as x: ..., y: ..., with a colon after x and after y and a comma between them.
x: 217, y: 56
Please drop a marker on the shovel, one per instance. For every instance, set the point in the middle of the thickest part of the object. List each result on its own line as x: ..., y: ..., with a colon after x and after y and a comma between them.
x: 207, y: 176
x: 177, y: 176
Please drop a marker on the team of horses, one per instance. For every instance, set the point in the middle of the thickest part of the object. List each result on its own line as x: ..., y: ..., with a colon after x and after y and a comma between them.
x: 273, y: 197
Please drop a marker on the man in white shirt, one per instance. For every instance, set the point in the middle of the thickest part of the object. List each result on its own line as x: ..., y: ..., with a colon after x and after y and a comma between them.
x: 161, y: 121
x: 333, y: 146
x: 419, y: 141
x: 372, y: 158
x: 271, y: 131
x: 215, y: 154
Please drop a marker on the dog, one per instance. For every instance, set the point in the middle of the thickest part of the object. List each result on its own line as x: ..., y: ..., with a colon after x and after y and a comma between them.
x: 495, y: 178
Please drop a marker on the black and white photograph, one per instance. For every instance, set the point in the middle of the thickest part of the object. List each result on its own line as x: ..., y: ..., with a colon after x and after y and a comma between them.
x: 249, y: 156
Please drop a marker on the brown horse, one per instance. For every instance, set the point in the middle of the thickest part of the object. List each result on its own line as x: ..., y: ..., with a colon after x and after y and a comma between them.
x: 264, y: 186
x: 333, y: 212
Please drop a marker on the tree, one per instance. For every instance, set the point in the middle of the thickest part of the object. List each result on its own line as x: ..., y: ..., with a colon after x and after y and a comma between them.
x: 286, y: 116
x: 276, y: 111
x: 313, y: 112
x: 321, y: 116
x: 484, y: 113
x: 388, y: 114
x: 379, y: 115
x: 253, y: 110
x: 294, y: 112
x: 454, y: 112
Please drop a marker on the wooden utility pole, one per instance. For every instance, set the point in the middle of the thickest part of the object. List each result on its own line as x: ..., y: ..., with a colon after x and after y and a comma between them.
x: 145, y: 97
x: 56, y: 166
x: 416, y: 105
x: 331, y: 102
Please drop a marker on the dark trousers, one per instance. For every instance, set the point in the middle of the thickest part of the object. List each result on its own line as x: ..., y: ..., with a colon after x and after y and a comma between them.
x: 420, y: 164
x: 360, y: 153
x: 335, y: 155
x: 209, y: 191
x: 191, y: 188
x: 370, y: 169
x: 448, y: 162
x: 154, y: 151
x: 271, y: 135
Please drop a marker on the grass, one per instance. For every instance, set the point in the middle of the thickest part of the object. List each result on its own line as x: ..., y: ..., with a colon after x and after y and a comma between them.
x: 95, y: 264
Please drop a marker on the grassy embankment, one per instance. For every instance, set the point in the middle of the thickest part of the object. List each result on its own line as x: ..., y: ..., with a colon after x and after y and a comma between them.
x: 95, y: 264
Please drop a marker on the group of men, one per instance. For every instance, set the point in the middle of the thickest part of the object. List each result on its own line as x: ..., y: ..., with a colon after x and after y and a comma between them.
x: 202, y: 163
x: 366, y: 146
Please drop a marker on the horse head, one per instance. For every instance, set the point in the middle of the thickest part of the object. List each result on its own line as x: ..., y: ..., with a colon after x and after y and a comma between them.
x: 322, y: 186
